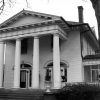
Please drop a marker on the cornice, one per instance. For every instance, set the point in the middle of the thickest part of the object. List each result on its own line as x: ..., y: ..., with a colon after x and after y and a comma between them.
x: 39, y: 24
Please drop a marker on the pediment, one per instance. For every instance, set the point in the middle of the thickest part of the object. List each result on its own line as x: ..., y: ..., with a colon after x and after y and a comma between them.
x: 26, y: 17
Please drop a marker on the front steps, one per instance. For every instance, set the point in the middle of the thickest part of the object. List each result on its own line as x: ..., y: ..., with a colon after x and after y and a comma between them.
x: 26, y: 94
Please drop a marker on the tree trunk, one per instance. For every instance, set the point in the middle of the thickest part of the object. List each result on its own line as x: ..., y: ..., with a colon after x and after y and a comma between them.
x: 96, y: 6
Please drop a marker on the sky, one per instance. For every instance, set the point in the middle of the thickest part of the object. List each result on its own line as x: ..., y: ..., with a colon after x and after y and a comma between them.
x: 65, y: 8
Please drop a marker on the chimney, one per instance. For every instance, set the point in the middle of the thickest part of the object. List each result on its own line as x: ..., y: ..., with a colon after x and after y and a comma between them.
x: 80, y: 14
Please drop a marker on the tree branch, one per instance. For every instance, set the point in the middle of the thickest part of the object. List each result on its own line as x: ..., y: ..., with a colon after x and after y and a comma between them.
x: 3, y: 3
x: 27, y: 3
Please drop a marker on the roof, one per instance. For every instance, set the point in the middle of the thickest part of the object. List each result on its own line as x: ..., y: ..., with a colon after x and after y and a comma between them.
x: 86, y: 29
x: 73, y: 23
x: 27, y: 12
x: 49, y: 20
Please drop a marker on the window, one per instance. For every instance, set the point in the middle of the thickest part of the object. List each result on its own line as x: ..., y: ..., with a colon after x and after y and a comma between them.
x: 51, y: 42
x: 24, y: 45
x: 49, y: 72
x: 90, y: 50
x: 95, y: 73
x: 63, y: 74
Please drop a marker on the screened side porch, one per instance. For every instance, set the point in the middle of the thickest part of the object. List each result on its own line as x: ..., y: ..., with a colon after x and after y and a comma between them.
x: 91, y: 71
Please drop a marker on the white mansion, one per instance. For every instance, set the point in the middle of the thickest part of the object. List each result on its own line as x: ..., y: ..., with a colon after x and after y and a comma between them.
x: 39, y: 50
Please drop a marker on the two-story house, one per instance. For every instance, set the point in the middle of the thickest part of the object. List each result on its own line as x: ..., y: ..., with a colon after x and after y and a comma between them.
x: 39, y: 50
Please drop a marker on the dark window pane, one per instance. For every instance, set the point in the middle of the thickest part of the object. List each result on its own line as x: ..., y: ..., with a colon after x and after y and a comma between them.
x: 64, y: 74
x: 24, y: 46
x: 51, y: 42
x: 48, y: 75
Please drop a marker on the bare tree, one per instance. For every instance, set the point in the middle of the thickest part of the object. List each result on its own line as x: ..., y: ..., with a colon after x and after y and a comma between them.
x: 3, y: 3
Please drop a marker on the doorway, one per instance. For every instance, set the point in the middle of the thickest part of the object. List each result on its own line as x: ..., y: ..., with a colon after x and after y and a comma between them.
x: 25, y: 76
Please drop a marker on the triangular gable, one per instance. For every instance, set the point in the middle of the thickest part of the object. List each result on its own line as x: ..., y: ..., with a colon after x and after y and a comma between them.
x: 25, y: 17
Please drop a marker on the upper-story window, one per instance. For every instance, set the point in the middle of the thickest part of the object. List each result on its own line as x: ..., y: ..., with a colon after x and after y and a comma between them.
x: 24, y: 46
x: 90, y: 50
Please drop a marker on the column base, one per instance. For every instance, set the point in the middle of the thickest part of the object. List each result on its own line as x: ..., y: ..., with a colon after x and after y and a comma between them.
x: 35, y: 88
x: 15, y: 88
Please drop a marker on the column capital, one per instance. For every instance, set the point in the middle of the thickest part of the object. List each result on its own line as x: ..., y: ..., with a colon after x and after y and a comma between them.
x: 56, y: 34
x: 36, y: 37
x: 18, y: 39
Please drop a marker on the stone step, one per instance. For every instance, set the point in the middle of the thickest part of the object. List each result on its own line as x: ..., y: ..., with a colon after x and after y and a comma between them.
x: 26, y: 94
x: 21, y: 94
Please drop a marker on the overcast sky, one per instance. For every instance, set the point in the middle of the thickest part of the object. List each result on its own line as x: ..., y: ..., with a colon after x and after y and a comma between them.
x: 65, y: 8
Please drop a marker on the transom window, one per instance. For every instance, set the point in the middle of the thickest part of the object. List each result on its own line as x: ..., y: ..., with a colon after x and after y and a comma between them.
x: 49, y: 72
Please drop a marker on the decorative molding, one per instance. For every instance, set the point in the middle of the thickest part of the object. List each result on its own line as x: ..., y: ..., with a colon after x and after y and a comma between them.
x: 51, y: 61
x: 32, y: 32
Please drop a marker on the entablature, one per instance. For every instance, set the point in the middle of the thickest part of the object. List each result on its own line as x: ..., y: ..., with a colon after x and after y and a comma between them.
x: 26, y: 31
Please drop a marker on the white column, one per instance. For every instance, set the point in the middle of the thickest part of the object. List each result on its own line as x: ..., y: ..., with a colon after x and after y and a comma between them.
x: 17, y: 64
x: 35, y: 69
x: 56, y: 62
x: 1, y: 62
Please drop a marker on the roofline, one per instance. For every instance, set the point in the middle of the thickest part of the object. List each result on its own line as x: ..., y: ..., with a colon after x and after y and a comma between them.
x: 22, y: 11
x: 81, y: 24
x: 93, y: 35
x: 7, y: 20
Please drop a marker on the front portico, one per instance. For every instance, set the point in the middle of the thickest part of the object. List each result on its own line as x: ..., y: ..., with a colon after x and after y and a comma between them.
x: 34, y: 31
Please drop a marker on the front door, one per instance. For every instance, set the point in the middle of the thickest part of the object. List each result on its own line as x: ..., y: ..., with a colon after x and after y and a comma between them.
x: 24, y: 78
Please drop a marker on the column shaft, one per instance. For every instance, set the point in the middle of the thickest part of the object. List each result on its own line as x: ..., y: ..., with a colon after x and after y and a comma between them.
x: 1, y: 62
x: 17, y: 64
x: 35, y: 69
x: 56, y: 62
